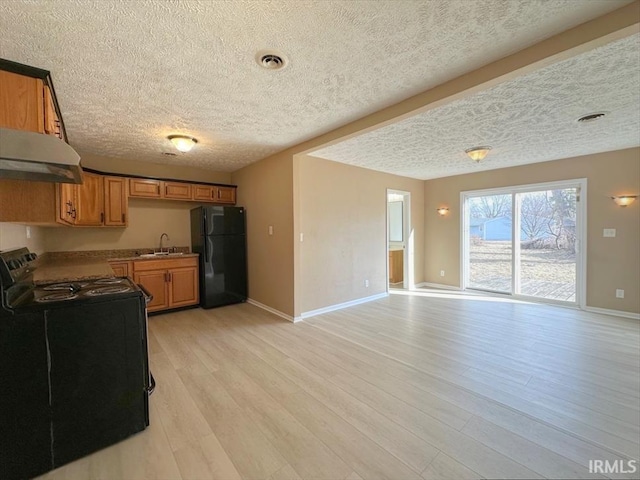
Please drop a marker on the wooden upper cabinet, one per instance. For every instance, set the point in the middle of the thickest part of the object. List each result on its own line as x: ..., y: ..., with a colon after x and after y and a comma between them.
x: 203, y: 192
x: 141, y: 187
x: 90, y: 200
x: 177, y: 190
x: 51, y: 121
x: 224, y: 195
x: 115, y: 202
x: 66, y: 203
x: 21, y: 102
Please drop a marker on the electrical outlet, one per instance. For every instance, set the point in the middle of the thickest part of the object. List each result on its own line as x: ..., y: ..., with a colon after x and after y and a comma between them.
x: 366, y: 283
x: 442, y: 273
x: 619, y: 293
x: 609, y: 232
x: 270, y: 229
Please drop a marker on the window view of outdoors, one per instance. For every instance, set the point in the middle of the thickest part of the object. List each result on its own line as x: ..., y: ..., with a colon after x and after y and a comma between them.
x: 547, y: 241
x: 490, y: 246
x: 548, y: 244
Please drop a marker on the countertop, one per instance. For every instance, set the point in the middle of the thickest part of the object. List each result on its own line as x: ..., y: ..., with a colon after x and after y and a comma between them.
x: 74, y: 266
x: 61, y: 270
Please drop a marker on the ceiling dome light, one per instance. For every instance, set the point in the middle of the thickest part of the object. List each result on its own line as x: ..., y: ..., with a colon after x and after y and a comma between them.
x: 182, y: 142
x: 477, y: 153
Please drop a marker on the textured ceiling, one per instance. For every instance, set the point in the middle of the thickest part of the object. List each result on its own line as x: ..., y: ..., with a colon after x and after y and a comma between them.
x: 530, y: 119
x: 129, y: 73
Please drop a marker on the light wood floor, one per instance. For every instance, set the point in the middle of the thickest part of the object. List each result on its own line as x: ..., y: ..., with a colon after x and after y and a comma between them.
x: 407, y: 387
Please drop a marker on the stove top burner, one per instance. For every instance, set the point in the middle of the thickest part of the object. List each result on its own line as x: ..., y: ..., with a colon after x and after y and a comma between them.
x: 108, y: 290
x: 56, y: 297
x: 69, y: 286
x: 110, y: 281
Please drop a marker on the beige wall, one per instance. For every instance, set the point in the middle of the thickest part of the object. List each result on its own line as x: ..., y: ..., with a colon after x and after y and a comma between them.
x: 148, y: 219
x: 265, y: 188
x: 343, y: 216
x: 272, y: 269
x: 611, y: 262
x: 13, y: 235
x: 135, y: 167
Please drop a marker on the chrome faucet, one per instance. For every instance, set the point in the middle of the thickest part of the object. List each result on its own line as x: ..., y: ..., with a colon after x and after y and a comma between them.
x: 161, y: 238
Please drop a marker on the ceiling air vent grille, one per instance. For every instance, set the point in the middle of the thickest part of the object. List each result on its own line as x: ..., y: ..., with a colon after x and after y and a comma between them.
x: 591, y: 117
x: 271, y: 60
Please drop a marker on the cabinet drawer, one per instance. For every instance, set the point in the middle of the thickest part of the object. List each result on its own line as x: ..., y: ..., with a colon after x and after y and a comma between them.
x: 179, y: 191
x: 145, y: 188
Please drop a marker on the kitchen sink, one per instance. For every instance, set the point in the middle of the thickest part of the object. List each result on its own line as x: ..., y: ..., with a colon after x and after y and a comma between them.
x: 160, y: 254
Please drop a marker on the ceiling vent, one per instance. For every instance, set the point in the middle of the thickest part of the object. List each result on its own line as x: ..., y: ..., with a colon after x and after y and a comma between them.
x: 592, y: 117
x: 271, y: 60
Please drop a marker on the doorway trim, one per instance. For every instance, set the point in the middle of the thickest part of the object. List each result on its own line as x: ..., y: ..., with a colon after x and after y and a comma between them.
x: 408, y: 276
x: 581, y: 243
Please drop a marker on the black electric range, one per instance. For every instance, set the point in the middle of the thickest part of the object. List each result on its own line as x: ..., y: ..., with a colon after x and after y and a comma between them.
x: 74, y: 371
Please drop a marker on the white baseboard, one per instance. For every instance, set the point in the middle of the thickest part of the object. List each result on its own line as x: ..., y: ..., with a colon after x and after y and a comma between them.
x: 273, y: 310
x: 338, y: 306
x: 615, y: 313
x: 437, y: 285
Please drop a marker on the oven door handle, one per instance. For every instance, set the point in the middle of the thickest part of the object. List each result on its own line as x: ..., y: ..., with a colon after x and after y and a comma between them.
x: 147, y: 295
x: 152, y: 384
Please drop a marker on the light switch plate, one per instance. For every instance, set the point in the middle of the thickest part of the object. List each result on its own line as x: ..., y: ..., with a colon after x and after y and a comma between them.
x: 270, y: 229
x: 619, y: 293
x: 609, y: 232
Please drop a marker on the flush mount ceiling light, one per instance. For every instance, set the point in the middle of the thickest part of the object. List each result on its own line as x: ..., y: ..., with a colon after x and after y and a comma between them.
x: 271, y: 60
x: 183, y: 142
x: 477, y: 153
x: 624, y: 200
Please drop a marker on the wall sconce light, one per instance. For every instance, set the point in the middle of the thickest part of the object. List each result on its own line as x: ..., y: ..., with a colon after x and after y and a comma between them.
x: 624, y: 200
x: 477, y: 153
x: 442, y: 211
x: 182, y: 142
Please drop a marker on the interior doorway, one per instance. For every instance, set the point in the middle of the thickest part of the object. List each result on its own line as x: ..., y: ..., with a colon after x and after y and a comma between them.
x: 399, y: 240
x: 526, y: 241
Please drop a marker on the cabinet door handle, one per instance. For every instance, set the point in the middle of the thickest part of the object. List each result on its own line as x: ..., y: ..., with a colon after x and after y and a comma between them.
x: 170, y: 277
x: 123, y: 217
x: 166, y: 277
x: 102, y: 217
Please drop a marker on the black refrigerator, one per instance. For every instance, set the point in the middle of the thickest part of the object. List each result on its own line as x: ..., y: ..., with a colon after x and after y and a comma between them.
x: 218, y: 235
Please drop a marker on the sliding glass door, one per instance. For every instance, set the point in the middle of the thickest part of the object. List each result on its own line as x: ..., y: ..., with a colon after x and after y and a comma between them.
x: 525, y: 241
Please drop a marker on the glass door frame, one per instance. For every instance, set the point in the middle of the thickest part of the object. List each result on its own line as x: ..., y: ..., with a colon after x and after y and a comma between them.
x: 581, y: 240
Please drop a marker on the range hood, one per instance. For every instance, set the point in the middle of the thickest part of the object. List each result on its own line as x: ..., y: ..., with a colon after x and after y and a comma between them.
x: 37, y: 157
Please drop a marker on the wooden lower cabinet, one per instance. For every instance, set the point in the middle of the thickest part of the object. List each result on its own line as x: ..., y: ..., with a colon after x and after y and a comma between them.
x: 121, y: 269
x: 395, y: 266
x: 173, y: 282
x: 156, y: 283
x: 183, y: 286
